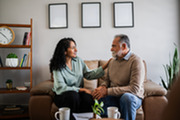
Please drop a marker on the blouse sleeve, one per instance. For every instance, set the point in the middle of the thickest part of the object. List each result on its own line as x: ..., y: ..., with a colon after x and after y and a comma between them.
x: 92, y: 74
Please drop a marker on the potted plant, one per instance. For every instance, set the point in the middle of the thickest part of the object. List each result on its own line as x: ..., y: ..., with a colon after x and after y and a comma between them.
x: 11, y: 60
x: 9, y: 84
x: 171, y: 71
x: 97, y: 109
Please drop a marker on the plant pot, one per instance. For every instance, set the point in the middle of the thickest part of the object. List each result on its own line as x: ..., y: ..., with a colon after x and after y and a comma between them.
x: 11, y: 62
x: 9, y: 85
x: 95, y: 116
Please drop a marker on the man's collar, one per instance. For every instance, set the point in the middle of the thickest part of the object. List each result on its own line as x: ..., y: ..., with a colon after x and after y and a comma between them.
x: 127, y: 56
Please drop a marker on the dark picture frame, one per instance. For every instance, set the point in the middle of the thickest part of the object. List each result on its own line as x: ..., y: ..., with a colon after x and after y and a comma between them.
x: 58, y: 15
x: 91, y: 15
x: 123, y: 14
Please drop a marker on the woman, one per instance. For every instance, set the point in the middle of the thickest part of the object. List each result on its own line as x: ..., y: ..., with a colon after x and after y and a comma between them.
x: 68, y: 72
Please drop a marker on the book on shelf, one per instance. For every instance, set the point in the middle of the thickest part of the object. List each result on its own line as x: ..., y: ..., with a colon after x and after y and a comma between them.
x: 28, y: 42
x: 27, y: 38
x: 23, y: 60
x: 1, y: 64
x: 28, y: 59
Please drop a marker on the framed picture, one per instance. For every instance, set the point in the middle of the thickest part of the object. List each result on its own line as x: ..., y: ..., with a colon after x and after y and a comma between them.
x: 91, y: 15
x: 58, y: 15
x: 123, y: 14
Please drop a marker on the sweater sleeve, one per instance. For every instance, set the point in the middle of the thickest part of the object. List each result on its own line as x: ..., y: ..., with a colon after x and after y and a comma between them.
x: 136, y: 80
x: 60, y: 85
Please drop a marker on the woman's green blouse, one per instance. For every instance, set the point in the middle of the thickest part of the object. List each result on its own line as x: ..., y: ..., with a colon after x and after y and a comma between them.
x: 72, y: 80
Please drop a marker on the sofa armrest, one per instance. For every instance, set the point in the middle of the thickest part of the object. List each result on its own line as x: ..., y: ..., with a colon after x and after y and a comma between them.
x: 153, y: 107
x: 43, y: 88
x: 153, y: 89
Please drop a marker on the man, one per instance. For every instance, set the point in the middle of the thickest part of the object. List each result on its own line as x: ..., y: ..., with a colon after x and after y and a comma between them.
x: 123, y: 86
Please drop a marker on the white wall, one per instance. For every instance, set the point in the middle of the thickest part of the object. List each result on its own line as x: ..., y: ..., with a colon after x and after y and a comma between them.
x: 156, y: 29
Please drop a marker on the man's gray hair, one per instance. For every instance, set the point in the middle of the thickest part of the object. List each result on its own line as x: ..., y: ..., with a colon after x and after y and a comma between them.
x: 124, y: 39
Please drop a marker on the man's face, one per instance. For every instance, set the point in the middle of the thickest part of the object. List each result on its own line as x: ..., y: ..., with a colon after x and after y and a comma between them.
x: 116, y: 49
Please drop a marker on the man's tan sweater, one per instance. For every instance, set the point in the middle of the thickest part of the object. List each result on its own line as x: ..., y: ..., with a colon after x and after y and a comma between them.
x: 125, y: 76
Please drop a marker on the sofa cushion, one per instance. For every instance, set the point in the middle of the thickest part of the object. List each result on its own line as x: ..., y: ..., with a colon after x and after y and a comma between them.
x: 91, y: 84
x: 153, y: 89
x: 43, y: 88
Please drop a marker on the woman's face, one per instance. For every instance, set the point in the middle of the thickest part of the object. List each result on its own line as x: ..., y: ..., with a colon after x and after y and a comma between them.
x: 72, y: 50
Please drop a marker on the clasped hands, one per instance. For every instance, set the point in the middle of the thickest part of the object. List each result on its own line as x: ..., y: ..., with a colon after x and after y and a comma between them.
x: 98, y: 93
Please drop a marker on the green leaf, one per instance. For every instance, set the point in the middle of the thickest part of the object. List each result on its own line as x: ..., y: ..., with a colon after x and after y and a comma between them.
x: 11, y: 55
x: 165, y: 71
x: 101, y: 109
x: 94, y: 111
x: 101, y: 104
x: 96, y: 101
x: 171, y: 70
x: 98, y: 114
x: 9, y: 81
x: 97, y: 108
x: 163, y: 83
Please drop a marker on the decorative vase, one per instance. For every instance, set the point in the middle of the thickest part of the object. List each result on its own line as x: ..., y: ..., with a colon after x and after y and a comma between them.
x: 11, y: 62
x: 9, y: 85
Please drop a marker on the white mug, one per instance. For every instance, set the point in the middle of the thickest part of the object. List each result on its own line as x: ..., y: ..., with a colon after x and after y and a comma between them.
x: 113, y: 112
x: 64, y: 113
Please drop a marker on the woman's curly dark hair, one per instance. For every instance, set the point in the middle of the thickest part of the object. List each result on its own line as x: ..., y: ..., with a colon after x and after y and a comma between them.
x: 58, y: 61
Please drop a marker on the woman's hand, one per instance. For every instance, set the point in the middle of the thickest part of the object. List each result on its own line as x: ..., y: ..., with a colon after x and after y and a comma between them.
x: 106, y: 65
x: 85, y: 90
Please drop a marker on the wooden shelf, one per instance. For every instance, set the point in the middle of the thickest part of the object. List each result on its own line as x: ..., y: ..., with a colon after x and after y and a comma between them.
x: 17, y: 25
x: 14, y: 68
x: 13, y: 90
x: 25, y: 114
x: 15, y: 46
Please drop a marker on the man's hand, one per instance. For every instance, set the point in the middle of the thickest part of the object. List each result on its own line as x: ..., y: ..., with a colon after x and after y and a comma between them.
x: 99, y: 92
x: 85, y: 90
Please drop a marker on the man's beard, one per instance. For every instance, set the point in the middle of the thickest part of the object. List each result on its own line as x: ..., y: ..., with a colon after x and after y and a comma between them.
x: 115, y: 55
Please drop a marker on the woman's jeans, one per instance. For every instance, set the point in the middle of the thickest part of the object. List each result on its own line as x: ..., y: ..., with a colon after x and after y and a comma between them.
x: 126, y: 103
